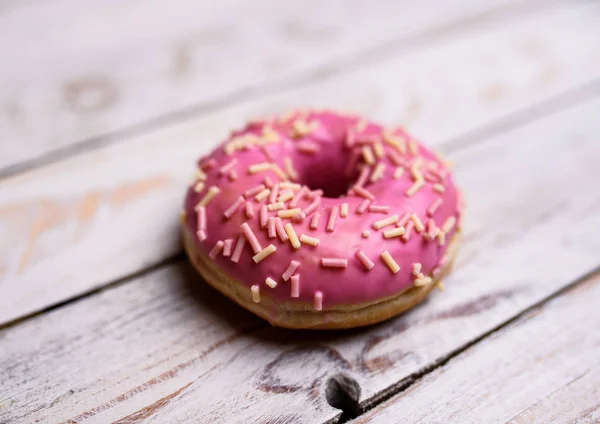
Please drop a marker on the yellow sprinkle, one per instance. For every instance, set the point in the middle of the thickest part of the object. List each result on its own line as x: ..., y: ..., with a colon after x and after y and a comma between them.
x: 366, y: 233
x: 412, y: 147
x: 418, y: 223
x: 212, y: 192
x: 262, y: 195
x: 449, y: 224
x: 378, y: 172
x: 344, y: 210
x: 441, y: 236
x: 379, y: 151
x: 199, y: 175
x: 394, y: 232
x: 290, y: 185
x: 259, y: 167
x: 390, y: 262
x: 385, y: 222
x: 255, y: 293
x: 313, y: 241
x: 279, y: 172
x: 269, y: 134
x: 367, y: 155
x: 439, y: 188
x: 275, y: 206
x: 285, y: 196
x: 264, y: 253
x: 270, y: 282
x: 398, y: 172
x: 288, y: 213
x: 395, y: 142
x: 289, y: 168
x: 289, y: 230
x: 417, y: 185
x: 416, y: 269
x: 199, y: 186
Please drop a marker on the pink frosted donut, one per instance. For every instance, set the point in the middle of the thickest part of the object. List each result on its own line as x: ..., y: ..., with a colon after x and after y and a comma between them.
x: 322, y: 220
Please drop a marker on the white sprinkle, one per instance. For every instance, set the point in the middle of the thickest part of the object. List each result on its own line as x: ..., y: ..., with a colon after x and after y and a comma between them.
x: 394, y: 232
x: 415, y: 187
x: 377, y: 225
x: 255, y: 293
x: 275, y: 206
x: 366, y: 233
x: 439, y: 188
x: 378, y: 172
x: 367, y: 155
x: 199, y: 187
x: 289, y: 230
x: 270, y: 282
x: 416, y: 269
x: 262, y: 195
x: 449, y: 224
x: 344, y: 210
x: 398, y: 172
x: 418, y: 223
x: 285, y: 196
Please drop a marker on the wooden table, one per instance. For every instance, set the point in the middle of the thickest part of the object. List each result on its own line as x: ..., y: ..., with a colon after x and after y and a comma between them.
x: 105, y: 104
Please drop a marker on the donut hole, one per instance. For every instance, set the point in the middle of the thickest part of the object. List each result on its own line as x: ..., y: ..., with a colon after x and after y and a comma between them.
x: 329, y: 175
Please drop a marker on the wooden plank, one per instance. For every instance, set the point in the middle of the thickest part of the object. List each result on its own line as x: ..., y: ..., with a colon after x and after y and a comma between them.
x: 156, y: 348
x: 543, y: 368
x: 108, y: 65
x: 51, y: 218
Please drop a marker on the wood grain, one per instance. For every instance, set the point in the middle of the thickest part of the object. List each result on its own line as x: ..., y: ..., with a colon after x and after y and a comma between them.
x: 93, y: 68
x: 165, y: 347
x: 543, y: 368
x: 51, y: 218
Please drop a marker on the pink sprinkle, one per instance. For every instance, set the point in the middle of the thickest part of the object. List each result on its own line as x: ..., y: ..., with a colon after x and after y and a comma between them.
x: 395, y: 158
x: 364, y: 260
x: 249, y: 210
x: 363, y: 207
x: 251, y: 237
x: 234, y: 207
x: 271, y: 228
x: 201, y: 235
x: 318, y: 301
x: 295, y: 286
x: 280, y: 230
x: 233, y: 175
x: 292, y: 267
x: 239, y: 247
x: 273, y: 194
x: 316, y: 193
x: 313, y: 206
x: 334, y: 262
x: 252, y: 191
x: 268, y: 182
x: 264, y: 215
x: 299, y: 217
x: 407, y: 230
x: 402, y: 221
x: 362, y: 178
x: 332, y: 219
x: 228, y: 247
x: 314, y: 222
x: 364, y: 193
x: 350, y: 138
x: 434, y: 206
x: 216, y: 250
x: 432, y: 230
x: 296, y: 199
x: 379, y: 209
x: 267, y: 153
x: 202, y: 218
x: 228, y: 166
x: 307, y: 147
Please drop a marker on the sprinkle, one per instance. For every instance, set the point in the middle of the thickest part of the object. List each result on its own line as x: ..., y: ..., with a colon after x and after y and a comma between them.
x: 272, y: 233
x: 378, y: 172
x: 292, y: 267
x: 228, y: 247
x: 264, y: 253
x: 232, y: 175
x: 285, y: 196
x: 234, y: 207
x: 390, y: 262
x: 199, y: 187
x: 379, y: 151
x: 212, y: 192
x: 439, y: 188
x: 314, y: 222
x: 344, y: 210
x: 366, y: 233
x: 395, y: 142
x: 275, y: 206
x: 415, y: 187
x: 199, y: 175
x: 289, y: 230
x: 208, y: 164
x: 295, y: 286
x: 280, y: 230
x: 398, y: 172
x: 307, y: 147
x: 412, y: 147
x: 279, y: 172
x: 316, y: 193
x: 268, y: 182
x: 290, y: 185
x: 434, y: 207
x: 255, y: 289
x: 361, y: 125
x: 216, y: 249
x: 394, y: 232
x: 269, y: 134
x: 274, y: 193
x: 259, y: 167
x: 313, y: 206
x: 289, y: 168
x: 313, y: 241
x: 265, y: 150
x: 418, y: 223
x: 449, y: 224
x: 288, y: 213
x: 201, y: 218
x: 364, y: 260
x: 364, y: 193
x: 379, y: 208
x: 318, y: 301
x: 363, y: 206
x: 299, y: 195
x: 264, y: 215
x: 385, y: 222
x: 350, y: 138
x: 201, y: 234
x: 299, y: 217
x: 334, y: 262
x: 262, y: 195
x: 252, y: 191
x: 432, y: 230
x: 422, y: 280
x: 408, y: 230
x: 415, y: 172
x: 228, y: 166
x: 416, y: 269
x: 332, y: 219
x: 367, y: 155
x: 251, y: 237
x: 362, y: 177
x: 239, y: 247
x: 441, y: 236
x: 402, y: 221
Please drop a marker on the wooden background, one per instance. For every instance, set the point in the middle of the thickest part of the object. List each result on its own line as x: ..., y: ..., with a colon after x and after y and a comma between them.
x: 104, y: 105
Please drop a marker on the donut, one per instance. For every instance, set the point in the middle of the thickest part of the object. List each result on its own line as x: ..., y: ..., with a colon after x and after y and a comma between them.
x: 319, y: 219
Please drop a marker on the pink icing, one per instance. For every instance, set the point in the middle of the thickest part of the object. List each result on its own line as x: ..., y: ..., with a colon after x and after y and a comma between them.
x: 326, y: 164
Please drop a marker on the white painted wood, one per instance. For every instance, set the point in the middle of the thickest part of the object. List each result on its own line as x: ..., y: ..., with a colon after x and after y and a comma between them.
x: 75, y: 70
x: 544, y: 368
x: 151, y: 346
x: 53, y: 217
